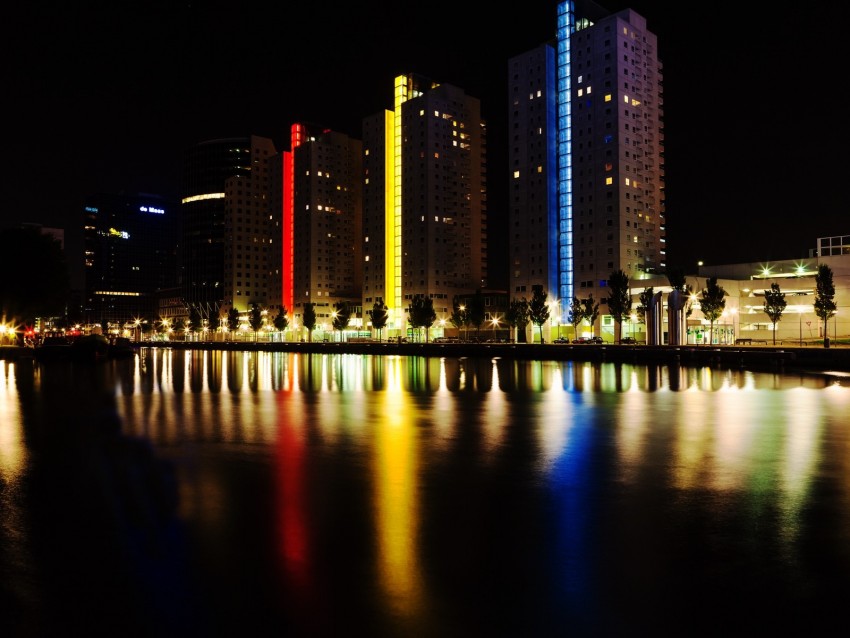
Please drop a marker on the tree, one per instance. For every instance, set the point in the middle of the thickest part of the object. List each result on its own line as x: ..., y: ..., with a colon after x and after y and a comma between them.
x: 35, y: 280
x: 309, y: 319
x: 255, y: 318
x: 824, y: 298
x: 179, y: 327
x: 619, y: 299
x: 281, y: 321
x: 232, y: 321
x: 774, y: 305
x: 421, y: 313
x: 475, y: 311
x: 460, y: 314
x: 712, y: 302
x: 196, y: 322
x: 575, y: 315
x: 146, y: 327
x: 591, y: 312
x: 341, y: 316
x: 645, y: 301
x: 379, y: 315
x: 538, y: 309
x: 517, y: 317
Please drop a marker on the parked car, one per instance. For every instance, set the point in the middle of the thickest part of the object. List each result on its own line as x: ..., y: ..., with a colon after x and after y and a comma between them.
x: 628, y: 340
x: 596, y: 340
x: 561, y: 340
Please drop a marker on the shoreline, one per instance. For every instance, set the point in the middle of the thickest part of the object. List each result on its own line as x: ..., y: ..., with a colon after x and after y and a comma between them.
x: 780, y: 357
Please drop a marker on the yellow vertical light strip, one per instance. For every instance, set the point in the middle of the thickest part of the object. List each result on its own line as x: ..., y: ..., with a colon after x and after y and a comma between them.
x: 401, y: 95
x: 389, y: 216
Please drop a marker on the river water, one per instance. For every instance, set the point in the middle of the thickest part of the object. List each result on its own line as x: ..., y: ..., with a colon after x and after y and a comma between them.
x: 255, y: 493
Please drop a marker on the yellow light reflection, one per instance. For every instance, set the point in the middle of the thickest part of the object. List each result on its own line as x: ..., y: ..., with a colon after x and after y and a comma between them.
x: 396, y: 502
x: 493, y: 421
x: 12, y: 448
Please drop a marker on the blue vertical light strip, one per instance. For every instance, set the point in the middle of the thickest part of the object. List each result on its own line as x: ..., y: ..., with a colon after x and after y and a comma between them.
x: 566, y: 27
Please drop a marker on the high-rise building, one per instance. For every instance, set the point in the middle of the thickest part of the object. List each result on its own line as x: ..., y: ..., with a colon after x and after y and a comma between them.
x: 533, y: 235
x: 586, y: 157
x: 321, y: 223
x: 229, y: 225
x: 424, y: 199
x: 131, y: 253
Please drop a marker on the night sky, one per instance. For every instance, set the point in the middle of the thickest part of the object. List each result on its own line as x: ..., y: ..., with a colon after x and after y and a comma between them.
x: 105, y: 97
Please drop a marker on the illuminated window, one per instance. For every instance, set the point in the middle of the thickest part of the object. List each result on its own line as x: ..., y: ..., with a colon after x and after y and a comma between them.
x: 626, y: 99
x: 609, y: 181
x: 516, y: 174
x: 539, y: 93
x: 589, y: 89
x: 628, y: 181
x: 608, y: 97
x: 539, y: 169
x: 580, y: 92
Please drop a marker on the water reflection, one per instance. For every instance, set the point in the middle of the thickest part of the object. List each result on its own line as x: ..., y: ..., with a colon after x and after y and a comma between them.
x: 498, y: 496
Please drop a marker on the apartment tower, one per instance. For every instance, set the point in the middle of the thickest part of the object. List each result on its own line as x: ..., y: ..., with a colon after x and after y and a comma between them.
x: 229, y: 226
x: 424, y: 199
x: 587, y: 181
x: 322, y: 223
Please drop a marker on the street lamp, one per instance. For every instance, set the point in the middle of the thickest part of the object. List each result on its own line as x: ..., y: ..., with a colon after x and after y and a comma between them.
x: 495, y: 322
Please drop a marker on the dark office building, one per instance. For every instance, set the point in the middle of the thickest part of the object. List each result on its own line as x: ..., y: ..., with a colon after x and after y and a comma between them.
x: 131, y: 252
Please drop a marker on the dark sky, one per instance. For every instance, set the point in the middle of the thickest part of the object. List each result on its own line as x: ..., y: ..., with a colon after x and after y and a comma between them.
x: 105, y: 97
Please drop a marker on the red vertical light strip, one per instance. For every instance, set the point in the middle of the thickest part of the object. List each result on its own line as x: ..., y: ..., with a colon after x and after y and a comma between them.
x: 296, y: 137
x: 288, y: 237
